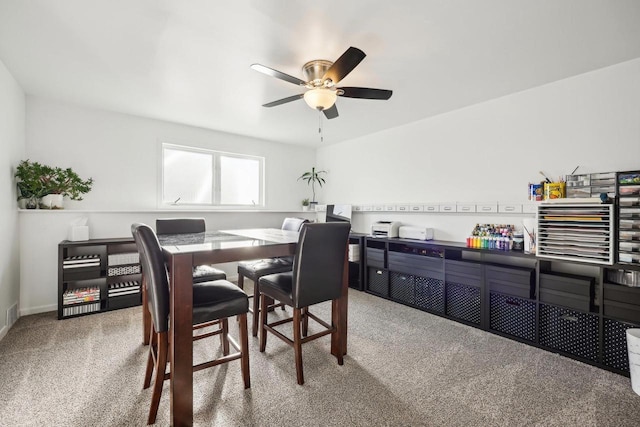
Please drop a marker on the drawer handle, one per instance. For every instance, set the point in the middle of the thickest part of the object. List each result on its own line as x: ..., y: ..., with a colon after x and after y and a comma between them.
x: 569, y: 317
x: 447, y: 208
x: 509, y: 209
x: 486, y: 208
x: 516, y: 303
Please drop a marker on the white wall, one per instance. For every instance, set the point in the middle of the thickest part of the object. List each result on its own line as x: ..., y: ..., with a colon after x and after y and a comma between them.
x: 491, y: 151
x: 121, y: 153
x: 12, y: 147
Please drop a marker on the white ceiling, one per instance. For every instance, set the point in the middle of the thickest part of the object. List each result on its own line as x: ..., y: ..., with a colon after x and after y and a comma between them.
x: 188, y: 61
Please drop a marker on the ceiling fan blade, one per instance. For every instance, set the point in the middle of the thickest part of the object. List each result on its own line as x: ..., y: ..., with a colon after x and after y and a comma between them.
x: 278, y: 74
x: 331, y: 113
x: 344, y: 65
x: 366, y: 93
x: 284, y: 100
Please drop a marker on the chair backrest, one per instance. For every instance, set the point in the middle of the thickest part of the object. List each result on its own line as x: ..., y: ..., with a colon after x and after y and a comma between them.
x: 293, y: 224
x: 155, y: 273
x: 319, y: 262
x: 180, y: 225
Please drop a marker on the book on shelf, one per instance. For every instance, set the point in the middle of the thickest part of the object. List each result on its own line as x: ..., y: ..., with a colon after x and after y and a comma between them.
x: 80, y: 295
x: 81, y: 259
x: 87, y: 265
x: 124, y: 288
x: 81, y: 309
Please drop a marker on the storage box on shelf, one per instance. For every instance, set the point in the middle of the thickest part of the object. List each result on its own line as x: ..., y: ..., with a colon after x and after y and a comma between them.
x: 97, y: 275
x: 512, y: 309
x: 463, y: 287
x: 591, y: 185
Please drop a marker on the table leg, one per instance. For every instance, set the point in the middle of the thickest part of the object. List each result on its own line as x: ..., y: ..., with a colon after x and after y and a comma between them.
x: 339, y: 313
x: 181, y: 341
x: 146, y: 315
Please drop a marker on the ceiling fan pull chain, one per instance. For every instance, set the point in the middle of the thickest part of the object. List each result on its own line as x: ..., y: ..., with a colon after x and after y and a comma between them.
x: 320, y: 126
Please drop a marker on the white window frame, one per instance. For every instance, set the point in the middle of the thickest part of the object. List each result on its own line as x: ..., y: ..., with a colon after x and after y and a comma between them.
x: 216, y: 178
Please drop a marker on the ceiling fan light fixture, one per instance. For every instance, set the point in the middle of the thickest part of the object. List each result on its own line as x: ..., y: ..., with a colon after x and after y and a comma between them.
x: 320, y: 98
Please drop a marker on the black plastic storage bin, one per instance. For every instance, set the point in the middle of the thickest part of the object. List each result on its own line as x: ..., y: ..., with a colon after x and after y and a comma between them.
x: 571, y: 331
x: 513, y: 316
x: 516, y: 281
x: 567, y: 290
x: 401, y: 287
x: 622, y: 302
x: 124, y: 301
x: 463, y: 302
x: 430, y: 294
x: 378, y: 281
x: 615, y: 344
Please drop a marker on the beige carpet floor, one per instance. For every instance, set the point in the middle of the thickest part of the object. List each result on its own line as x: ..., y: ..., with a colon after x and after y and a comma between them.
x: 404, y: 368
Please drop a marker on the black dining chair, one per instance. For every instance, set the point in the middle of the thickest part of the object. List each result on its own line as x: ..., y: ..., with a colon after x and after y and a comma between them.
x: 213, y: 303
x: 165, y: 226
x: 254, y: 270
x: 317, y: 276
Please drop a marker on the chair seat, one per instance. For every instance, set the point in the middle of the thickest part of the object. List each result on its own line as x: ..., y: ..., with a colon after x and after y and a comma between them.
x: 278, y: 286
x: 255, y: 269
x: 206, y: 273
x: 217, y: 300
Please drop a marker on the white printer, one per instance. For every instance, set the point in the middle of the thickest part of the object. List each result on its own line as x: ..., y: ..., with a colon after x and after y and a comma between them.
x: 385, y: 229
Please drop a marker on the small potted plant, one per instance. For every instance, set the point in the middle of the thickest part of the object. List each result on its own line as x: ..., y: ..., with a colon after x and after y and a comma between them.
x: 312, y: 177
x: 58, y: 183
x: 30, y: 188
x: 305, y: 204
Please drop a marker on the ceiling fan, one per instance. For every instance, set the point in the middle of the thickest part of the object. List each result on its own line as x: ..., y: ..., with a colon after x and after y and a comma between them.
x: 322, y: 77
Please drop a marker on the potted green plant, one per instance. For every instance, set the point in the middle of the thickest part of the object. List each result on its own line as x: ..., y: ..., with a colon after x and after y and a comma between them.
x: 312, y: 177
x: 58, y: 183
x: 305, y: 204
x: 30, y: 188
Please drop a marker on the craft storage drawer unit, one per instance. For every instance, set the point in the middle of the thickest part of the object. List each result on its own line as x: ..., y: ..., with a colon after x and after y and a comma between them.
x: 401, y: 287
x: 615, y: 344
x: 567, y: 290
x: 513, y: 316
x: 628, y: 192
x: 378, y: 281
x: 430, y: 294
x: 516, y: 281
x: 570, y: 331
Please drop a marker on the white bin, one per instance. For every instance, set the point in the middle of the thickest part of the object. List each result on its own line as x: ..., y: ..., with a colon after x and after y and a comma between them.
x: 633, y: 346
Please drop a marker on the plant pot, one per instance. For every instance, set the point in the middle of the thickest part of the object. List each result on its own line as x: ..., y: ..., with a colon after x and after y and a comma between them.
x: 305, y: 208
x: 31, y: 203
x: 52, y: 201
x: 312, y: 206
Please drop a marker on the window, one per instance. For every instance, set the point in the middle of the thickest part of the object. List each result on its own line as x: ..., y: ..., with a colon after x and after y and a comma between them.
x: 193, y: 176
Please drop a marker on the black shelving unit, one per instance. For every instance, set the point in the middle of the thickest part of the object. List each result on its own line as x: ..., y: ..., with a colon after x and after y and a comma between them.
x: 356, y: 261
x: 512, y: 294
x: 98, y: 275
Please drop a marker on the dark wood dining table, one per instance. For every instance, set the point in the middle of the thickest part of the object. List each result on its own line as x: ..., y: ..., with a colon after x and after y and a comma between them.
x: 181, y: 253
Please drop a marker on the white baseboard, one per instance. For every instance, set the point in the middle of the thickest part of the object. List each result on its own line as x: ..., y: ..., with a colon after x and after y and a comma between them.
x: 36, y: 310
x: 3, y: 332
